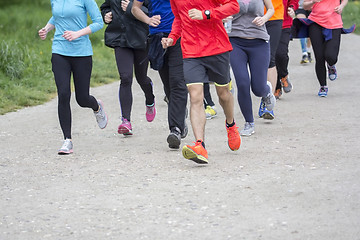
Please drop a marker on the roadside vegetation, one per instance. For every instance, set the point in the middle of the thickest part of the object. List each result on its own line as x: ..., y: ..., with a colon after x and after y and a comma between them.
x: 26, y: 78
x: 25, y: 69
x: 351, y: 15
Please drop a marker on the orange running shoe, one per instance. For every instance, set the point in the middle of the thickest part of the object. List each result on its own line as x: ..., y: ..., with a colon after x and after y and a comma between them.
x: 196, y: 153
x: 234, y: 139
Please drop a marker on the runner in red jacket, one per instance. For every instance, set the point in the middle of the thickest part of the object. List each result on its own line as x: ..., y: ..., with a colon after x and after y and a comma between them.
x: 205, y: 46
x: 206, y: 37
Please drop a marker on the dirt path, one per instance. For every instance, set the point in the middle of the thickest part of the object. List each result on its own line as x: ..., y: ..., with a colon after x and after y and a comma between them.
x: 296, y: 178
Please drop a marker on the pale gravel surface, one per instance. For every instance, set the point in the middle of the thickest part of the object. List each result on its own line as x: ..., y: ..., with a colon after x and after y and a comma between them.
x: 296, y: 178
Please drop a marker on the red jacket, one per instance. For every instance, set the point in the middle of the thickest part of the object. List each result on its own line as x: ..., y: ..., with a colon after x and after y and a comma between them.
x: 287, y: 19
x: 201, y: 38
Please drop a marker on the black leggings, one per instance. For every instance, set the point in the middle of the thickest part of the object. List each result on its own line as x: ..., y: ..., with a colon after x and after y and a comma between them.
x: 273, y: 28
x: 282, y: 56
x: 207, y: 96
x: 128, y: 59
x: 80, y: 67
x: 324, y: 50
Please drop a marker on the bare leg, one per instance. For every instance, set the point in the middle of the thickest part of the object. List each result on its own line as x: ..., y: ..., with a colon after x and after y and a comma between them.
x: 226, y: 101
x: 197, y: 113
x: 272, y: 78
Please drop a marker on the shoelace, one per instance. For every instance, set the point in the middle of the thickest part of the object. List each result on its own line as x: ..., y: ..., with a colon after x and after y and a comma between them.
x: 332, y: 69
x: 232, y: 130
x: 66, y: 144
x: 247, y: 126
x: 100, y: 115
x: 150, y: 110
x: 267, y: 100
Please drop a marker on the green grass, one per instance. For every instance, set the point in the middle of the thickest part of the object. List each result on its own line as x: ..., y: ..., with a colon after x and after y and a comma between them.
x: 351, y: 15
x: 26, y: 78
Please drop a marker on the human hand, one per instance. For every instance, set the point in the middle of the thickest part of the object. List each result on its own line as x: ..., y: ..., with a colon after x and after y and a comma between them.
x: 124, y: 4
x: 108, y: 17
x: 70, y: 35
x: 229, y: 18
x: 291, y: 12
x: 339, y: 9
x: 42, y: 33
x: 259, y: 21
x: 195, y: 14
x: 155, y: 20
x: 167, y: 42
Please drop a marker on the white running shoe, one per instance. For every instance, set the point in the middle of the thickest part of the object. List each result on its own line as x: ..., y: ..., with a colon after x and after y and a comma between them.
x: 269, y: 99
x: 66, y: 148
x: 101, y: 116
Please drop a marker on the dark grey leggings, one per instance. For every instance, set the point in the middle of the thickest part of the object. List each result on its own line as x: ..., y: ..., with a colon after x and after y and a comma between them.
x: 80, y: 68
x: 128, y: 59
x: 324, y: 51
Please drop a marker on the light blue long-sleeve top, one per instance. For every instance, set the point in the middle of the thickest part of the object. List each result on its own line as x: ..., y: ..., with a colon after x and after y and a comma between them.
x: 71, y: 15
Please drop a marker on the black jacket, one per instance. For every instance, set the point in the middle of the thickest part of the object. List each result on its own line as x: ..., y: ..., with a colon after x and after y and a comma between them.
x: 124, y: 30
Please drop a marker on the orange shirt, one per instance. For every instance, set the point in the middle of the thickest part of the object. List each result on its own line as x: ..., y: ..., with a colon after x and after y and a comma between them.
x: 279, y: 10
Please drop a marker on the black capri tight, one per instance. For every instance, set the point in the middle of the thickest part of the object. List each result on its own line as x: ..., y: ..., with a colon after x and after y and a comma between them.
x: 80, y: 67
x: 273, y: 28
x: 325, y: 51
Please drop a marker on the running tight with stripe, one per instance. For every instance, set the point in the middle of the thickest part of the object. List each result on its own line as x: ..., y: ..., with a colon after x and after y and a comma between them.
x: 80, y: 68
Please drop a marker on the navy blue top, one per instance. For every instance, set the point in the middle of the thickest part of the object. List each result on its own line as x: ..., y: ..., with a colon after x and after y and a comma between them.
x: 162, y: 8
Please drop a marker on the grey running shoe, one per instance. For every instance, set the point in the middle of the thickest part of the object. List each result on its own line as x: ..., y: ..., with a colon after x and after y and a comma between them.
x: 66, y: 148
x: 174, y: 138
x: 269, y: 99
x: 101, y: 116
x: 248, y: 130
x: 286, y: 84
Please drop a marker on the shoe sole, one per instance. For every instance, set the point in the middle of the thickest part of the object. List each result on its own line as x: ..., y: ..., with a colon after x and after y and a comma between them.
x: 212, y: 116
x: 247, y: 134
x: 189, y: 154
x: 268, y: 116
x: 174, y: 142
x: 65, y: 152
x: 125, y: 131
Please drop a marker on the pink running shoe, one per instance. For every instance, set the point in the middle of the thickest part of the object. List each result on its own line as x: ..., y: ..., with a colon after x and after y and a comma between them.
x: 125, y: 128
x: 150, y: 112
